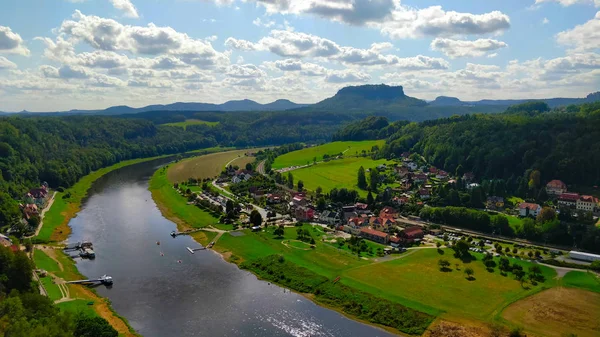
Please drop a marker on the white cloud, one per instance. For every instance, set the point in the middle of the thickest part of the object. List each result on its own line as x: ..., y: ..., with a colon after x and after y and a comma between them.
x: 394, y: 19
x: 244, y: 71
x: 6, y: 64
x: 301, y: 45
x: 127, y: 7
x: 463, y: 48
x: 260, y: 23
x: 571, y: 2
x: 583, y: 37
x: 545, y: 21
x: 109, y: 35
x: 303, y: 68
x: 11, y: 42
x: 345, y: 76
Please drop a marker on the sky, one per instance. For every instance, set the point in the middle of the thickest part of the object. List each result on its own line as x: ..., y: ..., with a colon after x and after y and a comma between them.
x: 58, y: 55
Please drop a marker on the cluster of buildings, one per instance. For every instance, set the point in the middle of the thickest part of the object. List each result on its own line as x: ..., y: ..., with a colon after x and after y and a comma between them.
x: 360, y: 221
x: 557, y: 190
x: 34, y: 201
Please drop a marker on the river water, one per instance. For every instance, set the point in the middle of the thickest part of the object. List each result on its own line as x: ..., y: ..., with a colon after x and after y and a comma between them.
x: 201, y: 296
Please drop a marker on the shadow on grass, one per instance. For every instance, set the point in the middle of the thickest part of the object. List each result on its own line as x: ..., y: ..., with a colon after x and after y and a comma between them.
x: 445, y: 269
x: 471, y: 279
x: 440, y: 251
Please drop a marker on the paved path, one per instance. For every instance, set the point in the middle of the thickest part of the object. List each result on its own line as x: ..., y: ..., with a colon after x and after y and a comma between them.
x: 560, y: 271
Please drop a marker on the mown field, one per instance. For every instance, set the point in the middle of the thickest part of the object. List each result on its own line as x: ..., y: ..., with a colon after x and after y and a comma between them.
x: 335, y: 174
x: 582, y: 280
x: 206, y: 166
x: 188, y: 122
x: 557, y: 312
x: 304, y: 156
x: 416, y: 281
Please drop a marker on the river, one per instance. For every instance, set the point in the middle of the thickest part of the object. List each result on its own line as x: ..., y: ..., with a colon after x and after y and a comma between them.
x: 201, y: 296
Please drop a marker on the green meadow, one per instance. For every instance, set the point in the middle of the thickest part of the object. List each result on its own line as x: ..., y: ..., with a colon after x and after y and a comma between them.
x: 307, y: 155
x: 582, y: 280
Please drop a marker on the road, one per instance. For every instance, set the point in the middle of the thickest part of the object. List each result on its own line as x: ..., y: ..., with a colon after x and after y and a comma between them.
x: 39, y: 228
x: 262, y: 211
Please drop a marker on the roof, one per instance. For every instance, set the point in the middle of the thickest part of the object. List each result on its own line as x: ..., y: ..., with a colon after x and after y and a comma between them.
x: 4, y: 242
x: 556, y: 184
x: 413, y: 231
x: 584, y: 254
x: 359, y: 205
x: 529, y: 205
x: 373, y: 232
x: 395, y: 239
x: 569, y: 196
x: 587, y: 198
x: 424, y: 191
x: 495, y: 199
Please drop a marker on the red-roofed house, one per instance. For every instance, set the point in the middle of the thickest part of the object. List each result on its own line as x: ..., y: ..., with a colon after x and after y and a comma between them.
x: 411, y: 234
x: 388, y: 212
x: 402, y: 200
x: 395, y: 241
x: 526, y: 209
x: 468, y: 177
x: 586, y: 203
x: 361, y: 208
x: 401, y: 171
x: 420, y: 178
x: 424, y: 194
x: 299, y: 201
x: 304, y: 213
x: 381, y: 224
x: 441, y: 174
x: 556, y: 187
x: 568, y: 199
x: 374, y: 235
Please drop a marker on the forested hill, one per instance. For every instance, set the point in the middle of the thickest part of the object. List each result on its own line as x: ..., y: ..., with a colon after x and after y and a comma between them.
x: 560, y: 144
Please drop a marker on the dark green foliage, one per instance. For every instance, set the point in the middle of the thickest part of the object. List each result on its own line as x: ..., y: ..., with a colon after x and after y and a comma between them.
x: 89, y: 326
x: 362, y: 178
x: 352, y: 301
x: 371, y: 127
x: 255, y: 218
x: 529, y: 108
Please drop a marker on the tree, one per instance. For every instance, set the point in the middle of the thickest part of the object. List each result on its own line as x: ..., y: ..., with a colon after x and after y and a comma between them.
x: 279, y: 231
x: 370, y: 199
x: 477, y: 197
x: 321, y: 204
x: 542, y: 195
x: 362, y: 179
x: 90, y: 326
x: 444, y: 264
x: 374, y: 179
x: 319, y: 191
x: 300, y: 185
x: 290, y: 180
x: 546, y: 214
x: 461, y: 248
x: 469, y: 272
x: 438, y: 244
x: 255, y: 218
x: 249, y: 167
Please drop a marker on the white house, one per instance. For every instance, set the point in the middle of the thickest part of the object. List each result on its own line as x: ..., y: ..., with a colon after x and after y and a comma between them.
x: 586, y: 203
x: 411, y: 165
x: 529, y: 209
x: 556, y: 187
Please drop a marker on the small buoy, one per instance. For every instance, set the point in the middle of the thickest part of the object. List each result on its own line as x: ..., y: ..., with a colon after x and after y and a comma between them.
x: 158, y: 242
x: 162, y: 254
x: 178, y: 261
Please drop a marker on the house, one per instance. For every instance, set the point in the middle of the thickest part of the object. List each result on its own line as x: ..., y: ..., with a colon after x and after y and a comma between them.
x: 304, y: 213
x: 257, y: 194
x: 586, y: 203
x: 568, y: 199
x: 5, y: 242
x: 361, y: 208
x: 402, y: 200
x: 451, y: 181
x: 527, y: 209
x: 274, y: 198
x: 299, y: 201
x: 29, y: 210
x: 330, y: 218
x: 468, y: 177
x: 401, y: 171
x: 472, y: 186
x: 395, y: 241
x: 556, y: 188
x: 381, y: 224
x: 388, y: 212
x: 375, y: 235
x: 412, y: 234
x: 381, y: 167
x: 495, y: 203
x: 354, y: 225
x: 424, y: 194
x: 405, y: 154
x: 420, y: 178
x: 411, y: 165
x: 441, y: 174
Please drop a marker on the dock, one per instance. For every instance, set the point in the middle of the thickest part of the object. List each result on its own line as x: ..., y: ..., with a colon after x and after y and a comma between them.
x: 105, y: 279
x: 192, y: 250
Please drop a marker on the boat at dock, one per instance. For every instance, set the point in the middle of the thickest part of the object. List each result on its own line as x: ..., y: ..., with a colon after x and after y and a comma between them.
x: 87, y: 253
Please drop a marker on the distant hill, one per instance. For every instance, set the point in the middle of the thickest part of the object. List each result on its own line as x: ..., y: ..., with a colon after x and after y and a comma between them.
x: 241, y: 105
x: 369, y: 98
x: 552, y: 102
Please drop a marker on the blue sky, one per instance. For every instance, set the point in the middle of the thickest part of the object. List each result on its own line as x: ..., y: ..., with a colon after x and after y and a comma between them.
x: 91, y: 54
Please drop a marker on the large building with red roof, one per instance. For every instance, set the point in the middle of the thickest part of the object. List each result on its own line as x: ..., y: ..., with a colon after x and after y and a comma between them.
x: 374, y: 235
x: 556, y: 187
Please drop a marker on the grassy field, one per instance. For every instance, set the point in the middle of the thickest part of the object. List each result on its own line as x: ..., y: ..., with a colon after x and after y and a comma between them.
x: 77, y: 306
x: 43, y: 261
x: 582, y: 280
x: 188, y: 122
x: 515, y: 222
x: 324, y: 259
x: 335, y: 174
x: 56, y: 219
x: 174, y: 206
x: 416, y: 281
x: 304, y: 156
x: 557, y: 312
x: 206, y: 166
x: 51, y: 288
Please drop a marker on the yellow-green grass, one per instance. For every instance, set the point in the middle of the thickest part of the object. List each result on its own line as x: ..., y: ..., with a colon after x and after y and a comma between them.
x: 204, y: 237
x: 416, y: 281
x: 78, y: 306
x: 515, y: 222
x: 51, y: 288
x: 174, y: 206
x: 201, y: 167
x: 56, y: 219
x: 307, y: 155
x: 43, y: 261
x: 188, y: 122
x: 583, y: 280
x: 335, y: 174
x: 323, y: 259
